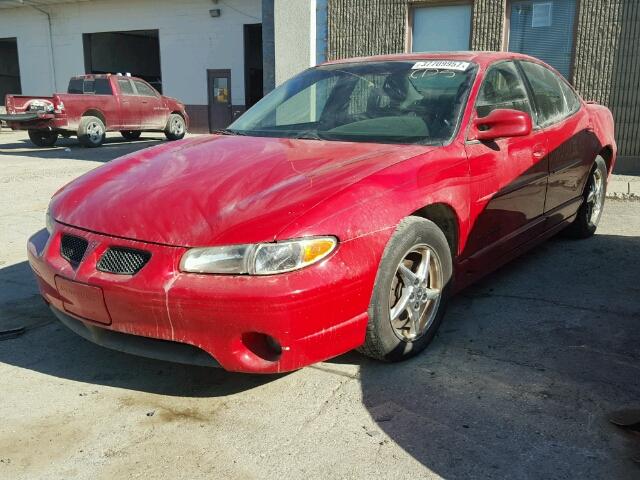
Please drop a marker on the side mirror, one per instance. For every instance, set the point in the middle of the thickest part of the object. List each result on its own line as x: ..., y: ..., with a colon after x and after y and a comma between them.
x: 501, y: 123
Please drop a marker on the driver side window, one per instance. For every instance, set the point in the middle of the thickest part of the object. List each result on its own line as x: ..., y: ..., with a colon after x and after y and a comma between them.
x: 502, y: 88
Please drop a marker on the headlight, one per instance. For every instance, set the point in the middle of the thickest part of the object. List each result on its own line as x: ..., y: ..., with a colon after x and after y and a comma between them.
x: 49, y: 222
x: 258, y: 259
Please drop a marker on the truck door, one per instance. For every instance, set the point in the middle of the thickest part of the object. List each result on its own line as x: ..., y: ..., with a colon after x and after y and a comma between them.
x: 152, y: 111
x: 130, y: 105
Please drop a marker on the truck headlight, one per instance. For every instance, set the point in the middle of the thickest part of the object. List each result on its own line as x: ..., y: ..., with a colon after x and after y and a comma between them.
x: 258, y: 259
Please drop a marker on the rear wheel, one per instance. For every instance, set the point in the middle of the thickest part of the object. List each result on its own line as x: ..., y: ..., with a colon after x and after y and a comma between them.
x: 130, y: 134
x: 43, y: 138
x: 410, y: 293
x: 176, y: 127
x: 590, y: 212
x: 91, y: 132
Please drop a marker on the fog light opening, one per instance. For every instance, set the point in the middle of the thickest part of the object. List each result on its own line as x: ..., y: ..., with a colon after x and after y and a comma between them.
x: 262, y: 345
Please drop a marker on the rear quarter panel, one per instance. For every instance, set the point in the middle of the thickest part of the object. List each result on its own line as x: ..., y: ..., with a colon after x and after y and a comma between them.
x: 604, y: 128
x: 77, y: 105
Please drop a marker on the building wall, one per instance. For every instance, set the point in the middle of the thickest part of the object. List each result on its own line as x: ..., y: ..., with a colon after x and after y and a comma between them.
x: 293, y: 46
x: 607, y: 47
x: 607, y: 64
x: 190, y: 41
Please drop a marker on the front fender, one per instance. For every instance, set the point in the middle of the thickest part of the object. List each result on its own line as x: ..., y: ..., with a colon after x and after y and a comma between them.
x: 377, y: 203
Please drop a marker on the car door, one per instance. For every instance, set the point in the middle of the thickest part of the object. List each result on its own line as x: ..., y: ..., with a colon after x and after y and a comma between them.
x: 508, y: 176
x: 130, y: 105
x: 153, y: 114
x: 572, y: 144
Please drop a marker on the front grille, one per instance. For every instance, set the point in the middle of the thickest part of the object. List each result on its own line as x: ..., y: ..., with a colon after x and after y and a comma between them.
x: 73, y: 248
x: 123, y: 261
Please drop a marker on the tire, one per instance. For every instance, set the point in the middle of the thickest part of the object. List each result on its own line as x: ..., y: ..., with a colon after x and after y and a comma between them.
x: 91, y: 132
x: 130, y: 134
x: 590, y: 212
x: 43, y: 138
x: 176, y: 127
x: 414, y: 240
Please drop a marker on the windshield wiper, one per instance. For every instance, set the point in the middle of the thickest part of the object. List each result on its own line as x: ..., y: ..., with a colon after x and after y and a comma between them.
x: 224, y: 131
x: 308, y: 135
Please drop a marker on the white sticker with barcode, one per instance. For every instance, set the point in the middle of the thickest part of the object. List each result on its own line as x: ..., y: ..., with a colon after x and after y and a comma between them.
x: 441, y: 65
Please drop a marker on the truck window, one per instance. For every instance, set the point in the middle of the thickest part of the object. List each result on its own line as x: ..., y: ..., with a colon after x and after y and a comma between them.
x: 144, y: 89
x: 125, y: 86
x: 89, y: 86
x: 76, y: 85
x: 102, y: 86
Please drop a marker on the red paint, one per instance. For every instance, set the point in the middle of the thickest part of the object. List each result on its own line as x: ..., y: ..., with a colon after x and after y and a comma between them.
x: 213, y: 190
x: 120, y: 112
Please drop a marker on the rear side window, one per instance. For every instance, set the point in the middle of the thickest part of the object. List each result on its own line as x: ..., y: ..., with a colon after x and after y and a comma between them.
x: 89, y: 86
x: 76, y: 85
x: 125, y: 87
x: 502, y: 88
x: 144, y: 89
x: 547, y: 93
x: 570, y: 97
x: 102, y: 86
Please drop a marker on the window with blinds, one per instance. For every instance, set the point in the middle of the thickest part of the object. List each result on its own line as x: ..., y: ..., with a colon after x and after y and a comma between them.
x: 441, y: 28
x: 544, y: 29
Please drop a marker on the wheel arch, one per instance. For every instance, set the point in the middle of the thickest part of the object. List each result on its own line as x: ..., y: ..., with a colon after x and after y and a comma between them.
x: 93, y: 112
x: 607, y: 154
x: 447, y: 220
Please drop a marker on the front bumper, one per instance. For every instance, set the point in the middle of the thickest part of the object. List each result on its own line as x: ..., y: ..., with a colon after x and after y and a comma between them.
x: 312, y: 314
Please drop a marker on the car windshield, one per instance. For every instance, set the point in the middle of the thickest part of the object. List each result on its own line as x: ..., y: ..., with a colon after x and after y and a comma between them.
x: 382, y: 102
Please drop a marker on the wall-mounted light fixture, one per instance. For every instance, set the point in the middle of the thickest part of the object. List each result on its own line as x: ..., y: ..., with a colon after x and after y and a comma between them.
x: 214, y: 12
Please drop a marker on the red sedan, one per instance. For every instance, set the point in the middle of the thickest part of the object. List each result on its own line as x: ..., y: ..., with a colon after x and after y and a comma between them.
x: 342, y: 211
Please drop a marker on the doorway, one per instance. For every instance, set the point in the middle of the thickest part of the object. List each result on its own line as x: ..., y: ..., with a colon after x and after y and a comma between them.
x: 136, y: 52
x: 253, y: 83
x: 9, y: 68
x: 219, y: 94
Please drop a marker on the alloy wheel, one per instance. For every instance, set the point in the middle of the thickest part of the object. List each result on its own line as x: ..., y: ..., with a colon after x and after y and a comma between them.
x: 595, y: 196
x: 177, y: 127
x: 95, y: 132
x: 415, y: 293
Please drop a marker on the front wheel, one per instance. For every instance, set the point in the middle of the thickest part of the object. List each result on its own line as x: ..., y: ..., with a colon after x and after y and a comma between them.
x: 410, y: 293
x: 91, y: 132
x: 175, y: 128
x: 130, y: 134
x: 590, y: 212
x: 43, y: 138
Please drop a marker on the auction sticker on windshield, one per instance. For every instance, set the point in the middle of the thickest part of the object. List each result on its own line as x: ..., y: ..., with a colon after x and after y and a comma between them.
x: 441, y: 65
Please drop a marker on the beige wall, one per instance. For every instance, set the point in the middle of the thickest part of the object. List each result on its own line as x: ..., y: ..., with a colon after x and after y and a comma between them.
x: 294, y: 35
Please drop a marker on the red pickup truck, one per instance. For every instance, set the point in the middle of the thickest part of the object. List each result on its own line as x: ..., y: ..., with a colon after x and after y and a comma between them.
x: 94, y: 105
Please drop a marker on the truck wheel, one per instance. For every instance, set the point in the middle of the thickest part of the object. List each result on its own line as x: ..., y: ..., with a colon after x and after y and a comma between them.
x: 91, y: 132
x: 176, y: 128
x: 43, y: 138
x: 130, y: 134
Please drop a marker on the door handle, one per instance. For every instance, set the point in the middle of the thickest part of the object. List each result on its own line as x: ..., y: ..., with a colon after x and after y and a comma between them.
x: 539, y: 152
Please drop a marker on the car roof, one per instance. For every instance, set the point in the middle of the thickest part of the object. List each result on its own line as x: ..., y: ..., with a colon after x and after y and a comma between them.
x: 481, y: 58
x: 90, y: 76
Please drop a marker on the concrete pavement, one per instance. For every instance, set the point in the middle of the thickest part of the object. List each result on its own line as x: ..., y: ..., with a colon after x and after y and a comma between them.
x: 518, y: 384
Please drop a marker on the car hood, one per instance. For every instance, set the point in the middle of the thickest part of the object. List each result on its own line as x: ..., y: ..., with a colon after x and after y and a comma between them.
x: 217, y: 190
